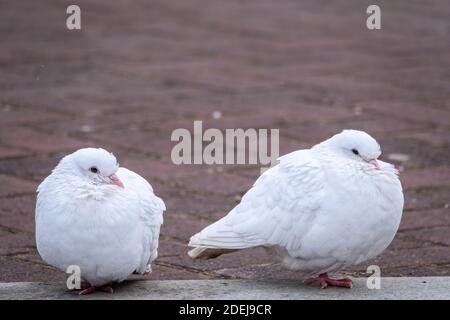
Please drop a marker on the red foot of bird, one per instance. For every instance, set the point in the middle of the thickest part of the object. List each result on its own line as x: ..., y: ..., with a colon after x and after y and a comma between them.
x: 87, y: 289
x: 106, y: 288
x: 325, y: 281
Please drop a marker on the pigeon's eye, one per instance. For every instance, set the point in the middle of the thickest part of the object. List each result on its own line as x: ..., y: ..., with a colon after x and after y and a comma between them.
x: 355, y: 151
x: 93, y: 170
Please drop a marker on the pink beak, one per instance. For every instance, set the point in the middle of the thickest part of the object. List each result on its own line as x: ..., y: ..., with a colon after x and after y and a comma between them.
x: 115, y: 180
x: 374, y: 162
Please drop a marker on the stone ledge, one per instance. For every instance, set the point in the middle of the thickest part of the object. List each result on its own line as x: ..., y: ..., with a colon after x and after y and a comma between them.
x: 391, y: 288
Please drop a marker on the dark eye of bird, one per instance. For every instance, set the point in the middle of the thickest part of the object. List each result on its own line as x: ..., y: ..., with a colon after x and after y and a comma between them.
x: 355, y: 151
x: 93, y: 170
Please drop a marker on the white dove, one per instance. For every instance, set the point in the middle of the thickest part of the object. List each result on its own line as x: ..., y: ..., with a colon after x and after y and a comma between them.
x: 104, y: 219
x: 318, y: 210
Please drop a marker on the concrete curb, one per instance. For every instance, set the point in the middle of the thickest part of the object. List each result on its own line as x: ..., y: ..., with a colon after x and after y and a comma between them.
x: 391, y: 288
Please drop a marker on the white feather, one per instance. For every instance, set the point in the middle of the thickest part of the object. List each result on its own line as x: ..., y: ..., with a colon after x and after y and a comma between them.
x: 107, y: 231
x: 317, y: 210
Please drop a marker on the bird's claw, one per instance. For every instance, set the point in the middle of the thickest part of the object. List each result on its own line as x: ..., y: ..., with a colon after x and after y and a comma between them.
x: 324, y: 281
x: 88, y: 289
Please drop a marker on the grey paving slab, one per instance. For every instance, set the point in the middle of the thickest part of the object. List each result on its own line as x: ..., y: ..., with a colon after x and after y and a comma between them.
x: 391, y: 288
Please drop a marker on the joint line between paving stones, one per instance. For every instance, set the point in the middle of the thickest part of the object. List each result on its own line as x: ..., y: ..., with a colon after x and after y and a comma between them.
x: 193, y: 270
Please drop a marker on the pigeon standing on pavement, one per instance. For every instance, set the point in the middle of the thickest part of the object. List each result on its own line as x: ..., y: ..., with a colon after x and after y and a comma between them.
x: 319, y: 210
x: 104, y: 219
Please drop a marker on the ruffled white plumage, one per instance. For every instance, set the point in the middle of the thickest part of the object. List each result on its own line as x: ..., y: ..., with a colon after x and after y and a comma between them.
x: 108, y: 232
x: 316, y: 212
x: 152, y: 208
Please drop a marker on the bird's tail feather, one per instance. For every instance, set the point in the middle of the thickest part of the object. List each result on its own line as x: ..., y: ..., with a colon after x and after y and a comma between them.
x: 215, y: 240
x: 204, y: 253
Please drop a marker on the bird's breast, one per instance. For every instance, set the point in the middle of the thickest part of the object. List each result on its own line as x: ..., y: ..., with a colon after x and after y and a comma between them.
x: 98, y: 235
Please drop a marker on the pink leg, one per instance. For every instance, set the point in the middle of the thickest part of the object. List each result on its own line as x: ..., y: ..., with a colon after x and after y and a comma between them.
x: 107, y: 288
x: 83, y: 286
x: 88, y: 290
x: 324, y: 281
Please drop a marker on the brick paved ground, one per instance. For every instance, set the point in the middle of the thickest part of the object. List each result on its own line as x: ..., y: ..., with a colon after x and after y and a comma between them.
x: 138, y: 71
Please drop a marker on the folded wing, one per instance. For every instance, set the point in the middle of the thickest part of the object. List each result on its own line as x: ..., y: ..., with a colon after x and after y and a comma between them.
x: 152, y: 208
x: 278, y: 210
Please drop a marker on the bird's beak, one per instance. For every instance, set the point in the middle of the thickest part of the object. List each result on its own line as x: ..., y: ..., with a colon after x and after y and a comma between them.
x: 115, y: 180
x: 375, y: 163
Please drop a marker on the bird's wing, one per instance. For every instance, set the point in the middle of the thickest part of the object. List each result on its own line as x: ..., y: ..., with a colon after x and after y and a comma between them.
x: 151, y: 213
x: 278, y: 210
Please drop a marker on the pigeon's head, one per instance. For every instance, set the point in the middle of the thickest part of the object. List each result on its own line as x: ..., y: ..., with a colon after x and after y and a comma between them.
x: 96, y: 166
x: 356, y: 145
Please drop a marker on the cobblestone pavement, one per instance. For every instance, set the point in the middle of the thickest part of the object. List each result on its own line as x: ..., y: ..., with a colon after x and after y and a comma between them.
x: 138, y: 70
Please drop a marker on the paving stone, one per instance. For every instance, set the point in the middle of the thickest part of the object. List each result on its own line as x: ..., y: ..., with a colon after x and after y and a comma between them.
x: 224, y: 183
x: 426, y: 198
x: 414, y: 112
x: 12, y: 186
x: 254, y: 256
x: 14, y: 270
x: 32, y: 167
x: 436, y: 235
x: 409, y: 258
x: 38, y: 142
x: 12, y: 115
x: 169, y: 247
x: 408, y: 288
x: 182, y: 227
x: 16, y: 242
x: 403, y: 241
x: 421, y: 155
x: 163, y: 272
x: 267, y: 270
x: 378, y: 127
x: 11, y: 152
x: 435, y: 177
x: 434, y: 138
x: 422, y: 219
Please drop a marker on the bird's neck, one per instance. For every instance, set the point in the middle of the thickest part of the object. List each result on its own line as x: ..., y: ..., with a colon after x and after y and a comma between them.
x: 79, y: 188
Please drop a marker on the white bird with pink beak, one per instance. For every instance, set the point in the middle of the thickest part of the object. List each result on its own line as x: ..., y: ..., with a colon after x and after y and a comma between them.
x: 319, y: 210
x: 104, y: 219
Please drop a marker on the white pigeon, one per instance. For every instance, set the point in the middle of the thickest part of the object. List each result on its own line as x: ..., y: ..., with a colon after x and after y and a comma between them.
x: 104, y: 219
x: 319, y: 210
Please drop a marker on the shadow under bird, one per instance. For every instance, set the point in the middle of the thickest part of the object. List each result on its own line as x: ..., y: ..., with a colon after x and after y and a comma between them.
x: 319, y: 210
x: 104, y: 219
